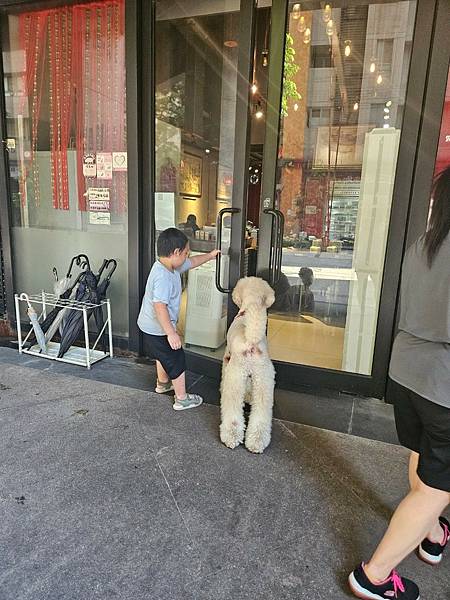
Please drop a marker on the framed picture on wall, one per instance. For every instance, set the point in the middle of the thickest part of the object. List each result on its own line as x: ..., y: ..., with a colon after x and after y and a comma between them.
x: 191, y: 175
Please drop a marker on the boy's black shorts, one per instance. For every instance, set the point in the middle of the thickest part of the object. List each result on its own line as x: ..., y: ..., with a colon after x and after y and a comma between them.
x: 424, y: 427
x: 173, y: 361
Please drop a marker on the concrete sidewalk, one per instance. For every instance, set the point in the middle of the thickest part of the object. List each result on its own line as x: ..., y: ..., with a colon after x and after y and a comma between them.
x: 106, y: 492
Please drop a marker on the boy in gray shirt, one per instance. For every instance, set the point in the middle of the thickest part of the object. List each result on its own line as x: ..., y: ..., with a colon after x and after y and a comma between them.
x: 160, y: 310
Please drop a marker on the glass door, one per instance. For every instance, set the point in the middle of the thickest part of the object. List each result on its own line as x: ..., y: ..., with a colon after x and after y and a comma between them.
x: 325, y: 140
x: 202, y: 71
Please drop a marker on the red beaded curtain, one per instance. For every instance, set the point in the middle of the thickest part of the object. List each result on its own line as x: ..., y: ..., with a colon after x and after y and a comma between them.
x: 83, y: 49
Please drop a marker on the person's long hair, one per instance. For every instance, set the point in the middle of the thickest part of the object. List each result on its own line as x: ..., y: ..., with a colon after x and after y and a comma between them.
x: 439, y: 224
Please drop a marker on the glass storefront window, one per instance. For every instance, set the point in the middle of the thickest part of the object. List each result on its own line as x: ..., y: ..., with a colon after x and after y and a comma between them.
x: 64, y: 78
x: 345, y: 77
x: 195, y: 95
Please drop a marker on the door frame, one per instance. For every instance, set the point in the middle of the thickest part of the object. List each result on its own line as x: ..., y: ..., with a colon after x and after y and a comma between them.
x: 438, y: 74
x: 247, y: 25
x: 293, y: 376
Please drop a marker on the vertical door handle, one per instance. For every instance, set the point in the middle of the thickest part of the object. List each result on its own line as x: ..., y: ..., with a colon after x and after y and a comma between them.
x: 276, y: 246
x: 280, y: 233
x: 219, y: 224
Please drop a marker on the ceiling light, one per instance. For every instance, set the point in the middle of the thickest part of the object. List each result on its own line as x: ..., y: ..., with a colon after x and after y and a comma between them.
x: 296, y: 11
x: 348, y: 47
x: 379, y: 79
x: 386, y: 110
x: 259, y: 114
x: 372, y: 66
x: 330, y: 28
x: 230, y: 43
x: 307, y: 36
x: 389, y: 103
x: 301, y: 24
x: 355, y: 106
x: 327, y: 13
x: 386, y: 126
x: 265, y: 58
x: 254, y: 88
x: 207, y: 150
x: 386, y: 117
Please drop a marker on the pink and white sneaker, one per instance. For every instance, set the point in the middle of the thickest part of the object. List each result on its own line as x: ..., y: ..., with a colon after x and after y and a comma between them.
x: 432, y: 552
x: 392, y: 587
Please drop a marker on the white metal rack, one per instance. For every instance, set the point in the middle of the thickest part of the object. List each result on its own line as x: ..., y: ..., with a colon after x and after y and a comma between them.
x: 84, y: 356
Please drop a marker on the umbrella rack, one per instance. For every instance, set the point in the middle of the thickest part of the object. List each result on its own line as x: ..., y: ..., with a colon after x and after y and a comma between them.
x: 84, y: 356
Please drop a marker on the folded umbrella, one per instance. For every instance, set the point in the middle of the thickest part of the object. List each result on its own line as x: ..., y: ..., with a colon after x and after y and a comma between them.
x: 62, y: 288
x: 101, y: 295
x: 87, y: 292
x: 35, y: 323
x: 60, y: 310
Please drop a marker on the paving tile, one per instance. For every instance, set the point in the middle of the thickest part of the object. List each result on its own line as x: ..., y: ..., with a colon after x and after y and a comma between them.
x: 134, y: 500
x: 374, y: 419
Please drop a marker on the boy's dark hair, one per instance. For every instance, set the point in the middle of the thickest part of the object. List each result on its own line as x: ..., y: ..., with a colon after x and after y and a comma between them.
x: 169, y: 240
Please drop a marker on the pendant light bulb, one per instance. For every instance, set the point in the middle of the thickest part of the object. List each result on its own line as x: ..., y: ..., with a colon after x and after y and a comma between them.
x: 355, y: 106
x: 307, y: 36
x: 379, y: 79
x: 265, y: 58
x: 348, y: 47
x: 372, y: 67
x: 296, y: 11
x: 259, y: 113
x: 327, y: 13
x: 254, y: 88
x: 301, y: 24
x: 330, y: 28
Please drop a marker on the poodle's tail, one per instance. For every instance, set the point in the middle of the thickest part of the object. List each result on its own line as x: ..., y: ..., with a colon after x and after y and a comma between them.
x: 255, y: 322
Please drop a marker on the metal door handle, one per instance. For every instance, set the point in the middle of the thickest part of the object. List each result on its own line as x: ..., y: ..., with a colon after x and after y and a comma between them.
x: 280, y: 233
x: 276, y: 245
x: 219, y: 223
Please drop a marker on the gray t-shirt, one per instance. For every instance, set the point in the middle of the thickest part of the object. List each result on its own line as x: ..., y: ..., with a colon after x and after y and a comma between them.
x: 421, y: 353
x: 163, y: 285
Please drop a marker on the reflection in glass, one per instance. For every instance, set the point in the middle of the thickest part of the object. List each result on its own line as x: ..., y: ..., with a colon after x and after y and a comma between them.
x: 336, y: 169
x: 64, y: 80
x: 196, y: 78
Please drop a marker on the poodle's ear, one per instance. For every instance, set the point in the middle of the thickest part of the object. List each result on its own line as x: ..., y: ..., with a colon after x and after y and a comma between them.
x: 269, y: 296
x: 236, y: 295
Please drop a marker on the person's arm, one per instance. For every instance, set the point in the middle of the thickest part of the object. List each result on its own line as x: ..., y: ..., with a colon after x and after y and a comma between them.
x: 162, y: 314
x: 200, y: 259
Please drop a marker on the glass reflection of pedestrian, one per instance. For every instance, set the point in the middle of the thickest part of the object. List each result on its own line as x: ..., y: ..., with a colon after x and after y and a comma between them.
x: 420, y: 375
x: 307, y: 299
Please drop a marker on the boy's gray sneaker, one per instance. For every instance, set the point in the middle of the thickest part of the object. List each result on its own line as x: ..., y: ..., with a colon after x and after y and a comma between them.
x: 191, y: 401
x: 163, y: 387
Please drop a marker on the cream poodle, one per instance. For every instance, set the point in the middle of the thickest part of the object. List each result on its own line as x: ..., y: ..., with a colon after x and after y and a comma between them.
x: 247, y: 371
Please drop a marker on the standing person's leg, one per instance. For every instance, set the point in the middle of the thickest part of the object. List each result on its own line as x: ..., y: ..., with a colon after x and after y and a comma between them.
x: 161, y: 374
x: 163, y: 383
x: 424, y: 428
x: 414, y: 518
x: 435, y: 534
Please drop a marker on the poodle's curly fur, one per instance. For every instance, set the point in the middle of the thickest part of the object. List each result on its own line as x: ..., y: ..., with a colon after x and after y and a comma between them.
x: 247, y: 371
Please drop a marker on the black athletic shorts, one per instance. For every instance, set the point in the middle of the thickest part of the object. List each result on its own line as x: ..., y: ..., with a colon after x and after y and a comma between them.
x: 173, y: 361
x: 424, y: 427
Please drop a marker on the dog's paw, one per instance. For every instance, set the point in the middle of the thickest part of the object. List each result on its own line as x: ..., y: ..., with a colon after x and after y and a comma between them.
x: 257, y: 441
x: 231, y: 435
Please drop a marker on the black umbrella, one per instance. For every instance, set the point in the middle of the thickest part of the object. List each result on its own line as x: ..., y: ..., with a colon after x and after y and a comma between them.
x: 65, y: 295
x: 101, y: 295
x: 87, y: 292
